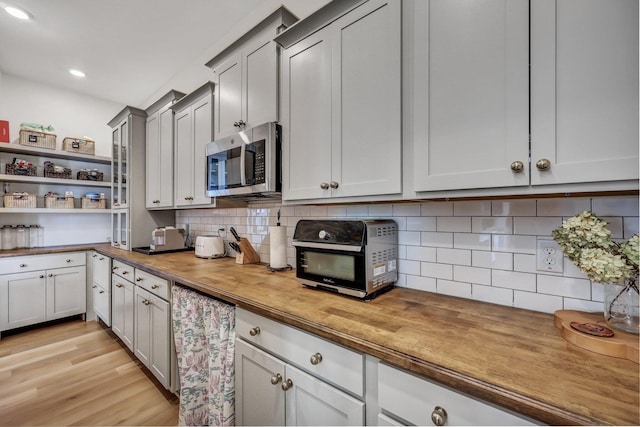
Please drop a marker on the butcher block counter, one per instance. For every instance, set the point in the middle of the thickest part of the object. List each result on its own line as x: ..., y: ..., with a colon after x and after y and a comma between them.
x: 512, y: 357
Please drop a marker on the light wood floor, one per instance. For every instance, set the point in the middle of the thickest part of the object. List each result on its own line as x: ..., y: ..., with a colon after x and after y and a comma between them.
x: 77, y: 373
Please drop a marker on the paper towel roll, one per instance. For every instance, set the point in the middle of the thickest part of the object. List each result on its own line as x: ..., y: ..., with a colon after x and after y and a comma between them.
x: 278, y: 247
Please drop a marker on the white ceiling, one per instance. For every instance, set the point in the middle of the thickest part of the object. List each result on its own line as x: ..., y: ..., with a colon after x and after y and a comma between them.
x: 129, y: 49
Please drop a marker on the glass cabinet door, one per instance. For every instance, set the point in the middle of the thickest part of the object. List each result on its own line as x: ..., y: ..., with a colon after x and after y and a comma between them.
x: 120, y: 170
x: 120, y: 229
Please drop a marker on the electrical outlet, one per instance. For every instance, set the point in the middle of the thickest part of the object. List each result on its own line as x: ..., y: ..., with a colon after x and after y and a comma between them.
x: 549, y: 256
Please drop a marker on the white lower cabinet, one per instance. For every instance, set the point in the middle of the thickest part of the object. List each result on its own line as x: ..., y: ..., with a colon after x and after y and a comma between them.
x: 102, y: 303
x: 405, y: 398
x: 101, y: 286
x: 122, y: 303
x: 295, y: 378
x: 40, y: 288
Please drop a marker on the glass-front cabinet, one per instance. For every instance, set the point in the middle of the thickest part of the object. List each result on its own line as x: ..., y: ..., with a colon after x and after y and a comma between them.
x: 120, y: 228
x: 120, y: 171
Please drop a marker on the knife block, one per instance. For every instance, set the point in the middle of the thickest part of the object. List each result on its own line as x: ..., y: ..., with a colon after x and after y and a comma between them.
x: 248, y: 254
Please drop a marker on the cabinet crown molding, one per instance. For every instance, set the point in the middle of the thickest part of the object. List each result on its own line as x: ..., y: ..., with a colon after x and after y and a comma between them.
x: 126, y: 111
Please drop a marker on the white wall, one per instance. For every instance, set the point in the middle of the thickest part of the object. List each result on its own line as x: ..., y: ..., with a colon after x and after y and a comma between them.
x: 71, y: 114
x: 477, y: 249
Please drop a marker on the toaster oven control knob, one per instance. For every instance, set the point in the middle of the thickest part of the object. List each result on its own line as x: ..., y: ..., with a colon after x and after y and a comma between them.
x: 324, y: 235
x: 316, y: 359
x: 439, y: 416
x: 254, y: 331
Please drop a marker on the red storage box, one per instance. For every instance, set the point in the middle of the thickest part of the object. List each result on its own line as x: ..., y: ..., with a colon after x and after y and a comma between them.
x: 4, y: 131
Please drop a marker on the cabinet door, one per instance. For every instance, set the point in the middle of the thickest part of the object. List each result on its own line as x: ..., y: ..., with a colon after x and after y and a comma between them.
x: 101, y: 270
x: 66, y: 292
x: 119, y: 169
x: 159, y: 158
x: 202, y: 135
x: 159, y: 364
x: 120, y: 228
x: 142, y: 325
x: 306, y: 94
x: 584, y: 90
x: 366, y: 92
x: 152, y: 157
x: 258, y: 400
x: 228, y: 79
x: 313, y: 402
x: 260, y: 83
x: 22, y: 299
x: 122, y: 295
x: 101, y: 303
x: 468, y: 85
x: 183, y: 156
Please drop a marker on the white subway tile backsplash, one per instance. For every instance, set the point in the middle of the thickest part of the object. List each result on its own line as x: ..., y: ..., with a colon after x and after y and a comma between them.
x: 440, y: 240
x: 495, y: 260
x: 472, y: 241
x: 535, y: 225
x: 421, y: 283
x: 436, y: 209
x: 453, y: 256
x: 454, y: 224
x: 537, y: 302
x: 406, y: 209
x: 421, y: 253
x: 454, y: 289
x: 612, y: 206
x: 513, y: 280
x: 472, y: 208
x: 501, y: 296
x: 493, y: 225
x: 515, y: 244
x: 564, y: 286
x: 438, y: 271
x: 472, y: 275
x: 562, y: 207
x: 513, y: 207
x: 421, y: 223
x: 479, y: 249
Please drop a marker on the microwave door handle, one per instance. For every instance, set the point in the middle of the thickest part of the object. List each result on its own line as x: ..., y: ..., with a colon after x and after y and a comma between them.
x: 243, y: 178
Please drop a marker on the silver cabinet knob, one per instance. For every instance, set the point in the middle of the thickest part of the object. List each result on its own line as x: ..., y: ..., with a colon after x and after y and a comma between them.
x: 254, y: 331
x: 139, y: 279
x: 114, y: 268
x: 517, y: 166
x: 50, y: 274
x: 334, y: 185
x: 42, y: 277
x: 439, y: 416
x: 118, y: 285
x: 94, y: 255
x: 315, y: 359
x: 101, y: 258
x: 287, y: 385
x: 94, y: 286
x: 23, y: 265
x: 324, y: 186
x: 543, y: 164
x: 101, y: 292
x: 146, y: 302
x: 276, y: 379
x: 68, y: 260
x: 125, y: 272
x: 155, y: 286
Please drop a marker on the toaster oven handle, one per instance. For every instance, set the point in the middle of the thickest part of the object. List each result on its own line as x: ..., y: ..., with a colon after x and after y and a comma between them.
x: 336, y: 247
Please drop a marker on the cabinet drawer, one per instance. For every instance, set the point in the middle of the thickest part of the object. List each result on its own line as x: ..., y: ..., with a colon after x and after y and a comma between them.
x: 42, y: 262
x: 152, y: 283
x: 413, y: 399
x: 339, y: 365
x: 123, y: 270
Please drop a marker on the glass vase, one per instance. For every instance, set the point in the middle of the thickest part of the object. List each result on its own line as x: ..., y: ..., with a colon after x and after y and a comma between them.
x: 621, y: 303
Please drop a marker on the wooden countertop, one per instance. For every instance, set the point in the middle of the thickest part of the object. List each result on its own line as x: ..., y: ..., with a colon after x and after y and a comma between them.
x: 515, y: 358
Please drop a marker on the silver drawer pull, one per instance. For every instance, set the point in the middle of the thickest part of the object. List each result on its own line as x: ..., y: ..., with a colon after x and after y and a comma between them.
x: 125, y: 272
x: 155, y: 286
x: 315, y: 359
x: 118, y: 285
x: 254, y: 331
x: 68, y: 260
x: 23, y: 265
x: 101, y: 292
x: 42, y: 277
x: 287, y: 385
x: 439, y: 416
x: 139, y: 279
x: 146, y: 302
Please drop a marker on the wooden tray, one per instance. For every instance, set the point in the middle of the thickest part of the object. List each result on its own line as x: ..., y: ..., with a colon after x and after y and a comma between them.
x: 622, y: 345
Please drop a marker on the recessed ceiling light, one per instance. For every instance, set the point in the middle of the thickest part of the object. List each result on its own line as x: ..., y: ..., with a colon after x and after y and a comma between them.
x: 17, y: 13
x: 77, y: 73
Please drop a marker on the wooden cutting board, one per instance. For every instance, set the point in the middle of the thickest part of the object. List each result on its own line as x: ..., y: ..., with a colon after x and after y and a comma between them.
x: 622, y: 344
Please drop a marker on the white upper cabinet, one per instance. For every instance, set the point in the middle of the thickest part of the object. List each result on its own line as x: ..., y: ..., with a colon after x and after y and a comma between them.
x: 159, y: 154
x: 477, y: 122
x: 584, y: 90
x: 246, y: 77
x: 341, y: 92
x: 193, y: 123
x: 469, y: 98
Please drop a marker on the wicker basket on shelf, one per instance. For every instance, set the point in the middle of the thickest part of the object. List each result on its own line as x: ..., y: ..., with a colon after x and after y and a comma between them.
x: 79, y: 145
x: 19, y: 201
x: 12, y: 169
x: 53, y: 171
x: 58, y: 202
x: 94, y: 203
x: 37, y: 139
x: 90, y: 175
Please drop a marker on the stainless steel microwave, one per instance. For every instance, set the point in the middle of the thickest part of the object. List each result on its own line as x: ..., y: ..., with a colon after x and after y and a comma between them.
x: 246, y: 165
